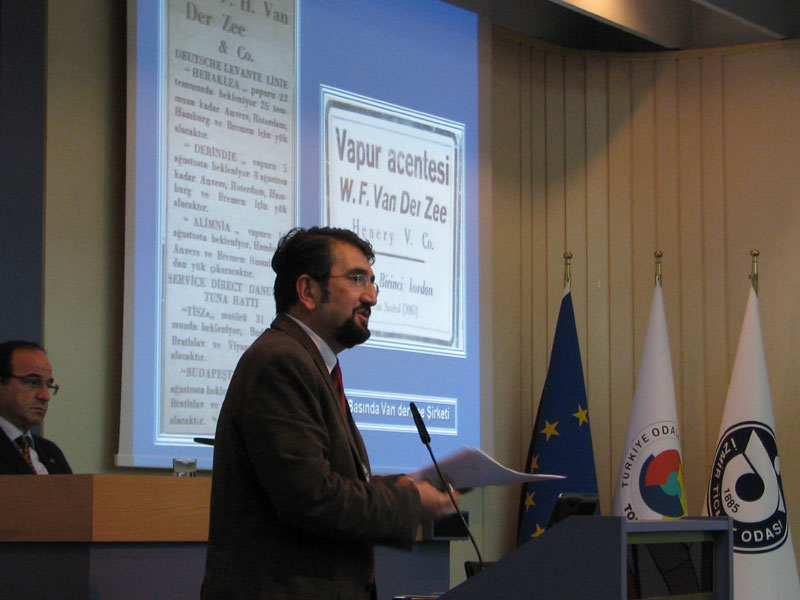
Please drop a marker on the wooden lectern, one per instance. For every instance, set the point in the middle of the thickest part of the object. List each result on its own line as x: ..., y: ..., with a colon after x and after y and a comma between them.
x: 138, y: 536
x: 103, y: 536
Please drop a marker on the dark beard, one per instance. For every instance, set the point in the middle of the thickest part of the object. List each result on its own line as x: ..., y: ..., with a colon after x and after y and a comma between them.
x: 350, y: 333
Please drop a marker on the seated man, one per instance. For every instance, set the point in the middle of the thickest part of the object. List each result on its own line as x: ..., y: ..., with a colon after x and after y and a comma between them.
x: 26, y: 384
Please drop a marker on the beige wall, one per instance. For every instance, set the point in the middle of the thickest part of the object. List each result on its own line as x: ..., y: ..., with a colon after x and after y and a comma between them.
x: 612, y: 157
x: 609, y: 157
x: 84, y: 226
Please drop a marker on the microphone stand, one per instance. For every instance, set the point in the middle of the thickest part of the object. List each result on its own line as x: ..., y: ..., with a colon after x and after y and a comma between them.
x: 426, y: 439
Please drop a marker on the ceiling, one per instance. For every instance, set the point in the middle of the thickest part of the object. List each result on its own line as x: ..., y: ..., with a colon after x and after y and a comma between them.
x: 631, y: 25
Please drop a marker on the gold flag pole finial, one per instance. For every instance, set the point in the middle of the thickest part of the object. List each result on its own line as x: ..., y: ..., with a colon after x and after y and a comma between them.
x: 658, y: 254
x: 754, y: 274
x: 567, y: 268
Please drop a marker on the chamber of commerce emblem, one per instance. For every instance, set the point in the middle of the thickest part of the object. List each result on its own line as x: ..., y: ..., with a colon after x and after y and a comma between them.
x: 651, y: 485
x: 746, y: 486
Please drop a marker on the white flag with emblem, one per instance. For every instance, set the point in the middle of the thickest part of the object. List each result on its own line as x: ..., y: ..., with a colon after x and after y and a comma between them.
x: 745, y: 482
x: 650, y: 484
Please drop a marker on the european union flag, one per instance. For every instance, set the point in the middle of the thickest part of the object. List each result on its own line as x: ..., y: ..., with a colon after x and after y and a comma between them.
x: 561, y: 442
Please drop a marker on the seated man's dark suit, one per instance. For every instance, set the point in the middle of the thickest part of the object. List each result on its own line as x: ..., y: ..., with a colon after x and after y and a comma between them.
x: 12, y: 463
x: 294, y: 510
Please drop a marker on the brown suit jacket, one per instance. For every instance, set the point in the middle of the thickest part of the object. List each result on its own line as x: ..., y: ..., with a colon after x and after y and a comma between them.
x: 294, y: 509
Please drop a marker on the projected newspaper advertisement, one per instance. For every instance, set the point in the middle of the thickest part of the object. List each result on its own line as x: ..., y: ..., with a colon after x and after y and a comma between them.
x: 229, y: 189
x: 164, y: 88
x: 395, y: 177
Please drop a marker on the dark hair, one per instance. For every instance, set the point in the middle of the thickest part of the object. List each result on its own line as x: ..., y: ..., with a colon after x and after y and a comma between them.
x: 7, y: 350
x: 308, y: 252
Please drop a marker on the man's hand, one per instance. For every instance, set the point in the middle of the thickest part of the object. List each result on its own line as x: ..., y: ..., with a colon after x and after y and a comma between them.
x: 435, y: 504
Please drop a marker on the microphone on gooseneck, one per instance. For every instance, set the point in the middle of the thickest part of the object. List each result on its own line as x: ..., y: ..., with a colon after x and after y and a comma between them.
x: 426, y: 439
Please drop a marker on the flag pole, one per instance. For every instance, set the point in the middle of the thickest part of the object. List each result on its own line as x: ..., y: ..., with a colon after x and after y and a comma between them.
x: 754, y: 272
x: 658, y: 254
x: 567, y: 268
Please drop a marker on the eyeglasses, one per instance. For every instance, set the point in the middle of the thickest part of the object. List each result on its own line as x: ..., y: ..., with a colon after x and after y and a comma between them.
x: 34, y: 382
x: 362, y: 280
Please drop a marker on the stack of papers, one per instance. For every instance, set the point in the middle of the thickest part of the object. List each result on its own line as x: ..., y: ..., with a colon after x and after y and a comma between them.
x: 471, y: 467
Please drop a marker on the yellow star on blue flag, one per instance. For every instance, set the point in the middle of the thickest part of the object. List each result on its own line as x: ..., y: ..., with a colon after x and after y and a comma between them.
x: 549, y: 429
x: 582, y: 415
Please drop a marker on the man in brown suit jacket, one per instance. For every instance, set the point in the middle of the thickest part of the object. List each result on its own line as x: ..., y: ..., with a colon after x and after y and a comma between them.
x: 295, y: 510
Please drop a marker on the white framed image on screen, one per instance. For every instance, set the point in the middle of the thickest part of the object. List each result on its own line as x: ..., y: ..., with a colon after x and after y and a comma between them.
x: 395, y: 177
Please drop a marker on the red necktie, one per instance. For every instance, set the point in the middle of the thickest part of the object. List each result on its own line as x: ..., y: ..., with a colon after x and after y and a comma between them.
x: 337, y: 383
x: 25, y: 449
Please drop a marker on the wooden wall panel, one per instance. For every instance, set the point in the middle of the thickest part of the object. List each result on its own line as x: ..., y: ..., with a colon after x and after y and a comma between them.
x: 620, y: 249
x: 715, y: 314
x: 690, y: 380
x: 643, y: 204
x: 595, y: 352
x: 692, y: 153
x: 527, y: 231
x: 550, y: 266
x: 575, y: 197
x: 537, y: 300
x: 508, y: 58
x: 666, y: 208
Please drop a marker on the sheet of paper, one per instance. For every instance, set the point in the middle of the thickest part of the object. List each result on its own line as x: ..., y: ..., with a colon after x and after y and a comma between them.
x: 471, y: 467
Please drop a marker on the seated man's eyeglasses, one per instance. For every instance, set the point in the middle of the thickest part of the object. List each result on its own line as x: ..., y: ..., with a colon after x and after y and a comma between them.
x: 34, y: 382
